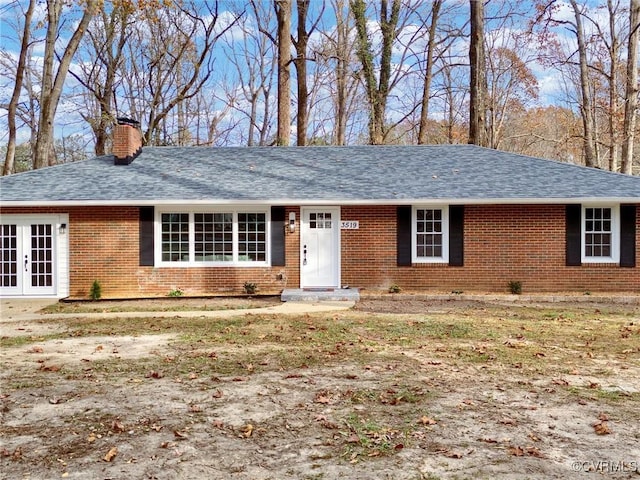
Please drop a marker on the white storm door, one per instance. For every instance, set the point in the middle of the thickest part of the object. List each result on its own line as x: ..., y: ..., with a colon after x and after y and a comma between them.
x: 27, y: 257
x: 320, y: 247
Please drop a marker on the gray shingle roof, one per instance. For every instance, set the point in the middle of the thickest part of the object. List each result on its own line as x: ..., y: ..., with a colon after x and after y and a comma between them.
x: 304, y: 175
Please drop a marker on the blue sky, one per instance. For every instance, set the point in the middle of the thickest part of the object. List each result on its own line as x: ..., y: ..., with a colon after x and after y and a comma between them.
x: 71, y: 122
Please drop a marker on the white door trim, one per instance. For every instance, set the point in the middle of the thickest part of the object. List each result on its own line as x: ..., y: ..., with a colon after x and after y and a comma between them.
x: 59, y: 255
x: 306, y: 279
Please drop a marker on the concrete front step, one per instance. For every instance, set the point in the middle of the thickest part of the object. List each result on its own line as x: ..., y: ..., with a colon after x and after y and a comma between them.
x: 319, y: 295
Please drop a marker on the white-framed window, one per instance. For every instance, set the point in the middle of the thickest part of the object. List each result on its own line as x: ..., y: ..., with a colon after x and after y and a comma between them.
x: 600, y: 233
x: 430, y: 233
x: 214, y: 237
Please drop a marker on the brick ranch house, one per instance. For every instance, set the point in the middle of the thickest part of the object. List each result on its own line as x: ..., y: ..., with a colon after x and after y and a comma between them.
x: 144, y: 222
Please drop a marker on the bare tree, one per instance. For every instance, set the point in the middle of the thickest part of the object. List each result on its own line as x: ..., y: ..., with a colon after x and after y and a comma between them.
x: 585, y: 91
x: 301, y: 43
x: 335, y: 67
x: 169, y: 61
x: 12, y: 108
x: 249, y: 89
x: 428, y: 71
x: 283, y: 13
x: 477, y: 130
x: 377, y: 88
x: 99, y: 74
x: 53, y: 79
x: 631, y: 97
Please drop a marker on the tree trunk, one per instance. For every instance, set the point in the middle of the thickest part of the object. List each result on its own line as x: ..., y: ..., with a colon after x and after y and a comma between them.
x: 342, y: 74
x: 301, y: 70
x: 9, y: 162
x: 587, y: 102
x: 614, y: 143
x: 477, y: 120
x: 283, y: 13
x: 377, y: 93
x: 631, y: 97
x: 52, y: 88
x: 428, y: 73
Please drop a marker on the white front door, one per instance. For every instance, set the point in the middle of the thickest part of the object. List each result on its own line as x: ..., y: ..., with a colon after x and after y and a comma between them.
x: 28, y: 258
x: 320, y: 247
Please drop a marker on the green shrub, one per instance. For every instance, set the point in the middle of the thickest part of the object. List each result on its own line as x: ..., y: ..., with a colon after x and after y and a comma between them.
x: 515, y: 287
x: 250, y: 288
x: 96, y: 290
x: 395, y: 288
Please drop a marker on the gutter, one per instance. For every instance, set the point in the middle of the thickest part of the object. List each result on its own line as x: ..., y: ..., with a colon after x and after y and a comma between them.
x: 324, y: 202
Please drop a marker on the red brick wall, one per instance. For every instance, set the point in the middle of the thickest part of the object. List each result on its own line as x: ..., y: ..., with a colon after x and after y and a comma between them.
x: 502, y: 243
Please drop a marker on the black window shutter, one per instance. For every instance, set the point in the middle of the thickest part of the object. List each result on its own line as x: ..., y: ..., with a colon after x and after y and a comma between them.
x: 277, y: 236
x: 627, y: 235
x: 403, y: 240
x: 573, y: 220
x: 456, y: 235
x: 146, y: 236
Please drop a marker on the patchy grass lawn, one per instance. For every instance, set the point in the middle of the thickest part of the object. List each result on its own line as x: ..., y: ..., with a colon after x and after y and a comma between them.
x: 464, y: 391
x: 173, y: 304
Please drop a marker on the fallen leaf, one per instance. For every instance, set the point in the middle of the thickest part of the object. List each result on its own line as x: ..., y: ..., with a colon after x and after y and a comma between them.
x: 247, y: 430
x: 488, y: 440
x: 155, y: 374
x: 424, y: 420
x: 601, y: 428
x: 49, y: 368
x: 516, y: 451
x: 353, y: 438
x: 603, y: 417
x: 218, y: 424
x: 195, y: 408
x: 99, y: 348
x: 217, y: 394
x: 111, y: 454
x: 179, y: 435
x: 450, y: 454
x: 193, y: 376
x: 17, y: 453
x: 155, y: 427
x: 322, y: 397
x: 91, y: 438
x: 117, y: 426
x: 534, y: 452
x: 560, y: 381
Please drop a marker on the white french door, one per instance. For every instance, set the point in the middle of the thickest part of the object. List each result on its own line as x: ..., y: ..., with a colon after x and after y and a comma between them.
x: 28, y: 260
x: 320, y: 247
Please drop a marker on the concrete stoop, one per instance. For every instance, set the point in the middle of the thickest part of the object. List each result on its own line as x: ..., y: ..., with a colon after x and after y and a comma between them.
x: 320, y: 294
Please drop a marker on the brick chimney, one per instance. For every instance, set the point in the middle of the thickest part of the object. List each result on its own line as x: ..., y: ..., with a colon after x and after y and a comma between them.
x: 127, y: 141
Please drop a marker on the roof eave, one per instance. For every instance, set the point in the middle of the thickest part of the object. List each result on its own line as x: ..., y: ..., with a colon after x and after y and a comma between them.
x: 308, y: 202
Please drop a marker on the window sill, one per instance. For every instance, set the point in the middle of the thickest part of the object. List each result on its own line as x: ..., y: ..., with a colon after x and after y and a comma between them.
x: 211, y: 264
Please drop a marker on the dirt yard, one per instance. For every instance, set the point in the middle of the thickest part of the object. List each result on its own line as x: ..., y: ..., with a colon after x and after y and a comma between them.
x: 432, y: 390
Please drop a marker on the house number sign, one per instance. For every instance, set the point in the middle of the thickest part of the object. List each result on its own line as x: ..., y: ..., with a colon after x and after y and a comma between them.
x: 349, y: 225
